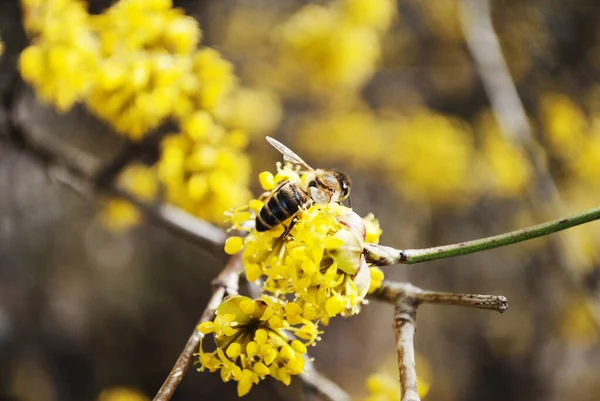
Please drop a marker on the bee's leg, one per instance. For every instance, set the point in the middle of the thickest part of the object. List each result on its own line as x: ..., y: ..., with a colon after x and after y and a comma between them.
x: 264, y: 196
x: 289, y: 228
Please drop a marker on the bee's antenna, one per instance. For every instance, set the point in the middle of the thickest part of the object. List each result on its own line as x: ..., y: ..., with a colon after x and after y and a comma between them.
x: 350, y: 202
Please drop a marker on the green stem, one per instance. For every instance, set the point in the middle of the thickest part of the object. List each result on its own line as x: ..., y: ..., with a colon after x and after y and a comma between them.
x: 382, y: 256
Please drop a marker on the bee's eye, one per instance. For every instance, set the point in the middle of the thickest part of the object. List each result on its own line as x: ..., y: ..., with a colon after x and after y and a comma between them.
x: 330, y: 180
x: 344, y: 189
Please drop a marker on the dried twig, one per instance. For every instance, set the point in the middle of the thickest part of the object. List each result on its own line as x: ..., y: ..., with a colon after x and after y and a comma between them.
x: 404, y: 327
x: 390, y: 291
x: 406, y: 298
x: 380, y: 255
x: 225, y: 283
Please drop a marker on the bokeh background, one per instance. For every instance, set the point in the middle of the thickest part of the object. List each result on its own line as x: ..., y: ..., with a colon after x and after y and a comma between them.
x: 93, y: 298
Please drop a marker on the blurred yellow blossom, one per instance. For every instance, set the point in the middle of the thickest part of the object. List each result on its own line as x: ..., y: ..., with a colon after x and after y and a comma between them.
x: 256, y: 339
x: 433, y: 155
x: 564, y: 125
x: 426, y: 155
x: 384, y: 385
x: 121, y: 394
x: 577, y: 323
x: 119, y: 215
x: 203, y: 169
x: 62, y: 61
x: 137, y: 65
x: 508, y: 170
x: 335, y: 46
x: 259, y: 111
x: 139, y: 180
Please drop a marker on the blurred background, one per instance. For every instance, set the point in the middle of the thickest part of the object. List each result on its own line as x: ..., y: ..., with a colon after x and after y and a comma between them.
x: 93, y: 298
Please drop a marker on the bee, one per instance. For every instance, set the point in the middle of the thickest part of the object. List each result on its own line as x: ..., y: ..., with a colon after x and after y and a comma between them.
x: 322, y: 186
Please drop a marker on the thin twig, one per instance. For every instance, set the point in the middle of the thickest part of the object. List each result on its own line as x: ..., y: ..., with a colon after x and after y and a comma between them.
x: 225, y: 283
x: 406, y: 298
x: 80, y: 171
x: 198, y: 232
x: 404, y: 327
x: 321, y: 384
x: 391, y: 290
x: 383, y: 256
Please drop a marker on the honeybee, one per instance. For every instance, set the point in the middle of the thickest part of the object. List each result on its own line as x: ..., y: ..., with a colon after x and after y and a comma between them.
x: 322, y: 186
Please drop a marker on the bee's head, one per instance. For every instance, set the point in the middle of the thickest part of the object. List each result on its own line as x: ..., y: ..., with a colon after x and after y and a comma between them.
x: 329, y: 186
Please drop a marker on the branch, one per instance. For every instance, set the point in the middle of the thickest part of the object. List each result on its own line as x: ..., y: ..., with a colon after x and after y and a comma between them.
x: 84, y: 173
x: 225, y: 283
x: 390, y: 291
x: 404, y: 327
x: 380, y: 255
x: 407, y: 298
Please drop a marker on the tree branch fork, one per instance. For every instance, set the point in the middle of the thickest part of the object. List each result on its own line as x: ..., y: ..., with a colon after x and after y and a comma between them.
x: 406, y: 299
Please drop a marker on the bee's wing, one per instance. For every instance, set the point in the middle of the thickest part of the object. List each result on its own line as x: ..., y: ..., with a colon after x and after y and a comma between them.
x: 288, y: 155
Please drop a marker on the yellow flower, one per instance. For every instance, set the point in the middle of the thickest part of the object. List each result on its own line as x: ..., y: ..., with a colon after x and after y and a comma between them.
x: 201, y: 171
x: 437, y: 152
x: 320, y: 260
x: 564, y: 125
x: 118, y: 214
x: 336, y: 46
x: 254, y: 340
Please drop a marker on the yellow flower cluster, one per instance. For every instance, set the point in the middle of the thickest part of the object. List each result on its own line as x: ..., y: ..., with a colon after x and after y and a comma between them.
x: 203, y: 168
x: 574, y: 138
x: 319, y: 261
x: 255, y: 339
x: 337, y: 46
x: 312, y: 270
x: 62, y: 62
x: 136, y: 66
x: 426, y: 156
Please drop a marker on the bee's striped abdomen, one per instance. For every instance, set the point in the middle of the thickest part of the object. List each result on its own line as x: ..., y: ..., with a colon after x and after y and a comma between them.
x: 283, y: 204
